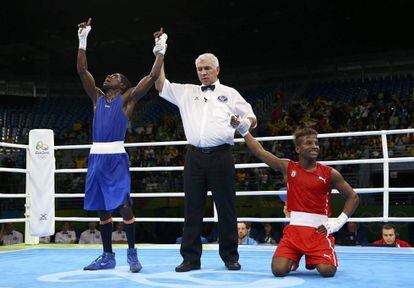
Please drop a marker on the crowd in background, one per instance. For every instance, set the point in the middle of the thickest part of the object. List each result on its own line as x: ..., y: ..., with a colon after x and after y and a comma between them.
x: 368, y: 112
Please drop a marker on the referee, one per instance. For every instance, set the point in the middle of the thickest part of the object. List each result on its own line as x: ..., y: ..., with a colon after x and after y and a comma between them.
x: 206, y: 111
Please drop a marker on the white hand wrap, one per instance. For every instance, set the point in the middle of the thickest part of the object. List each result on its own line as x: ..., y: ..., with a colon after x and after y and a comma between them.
x: 333, y: 225
x: 83, y: 36
x: 160, y: 45
x: 244, y: 126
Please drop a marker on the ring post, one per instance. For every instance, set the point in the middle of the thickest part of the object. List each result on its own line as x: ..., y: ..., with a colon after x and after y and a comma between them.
x: 386, y: 175
x: 40, y: 186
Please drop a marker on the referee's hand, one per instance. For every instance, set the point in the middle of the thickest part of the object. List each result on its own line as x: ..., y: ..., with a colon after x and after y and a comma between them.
x: 234, y: 121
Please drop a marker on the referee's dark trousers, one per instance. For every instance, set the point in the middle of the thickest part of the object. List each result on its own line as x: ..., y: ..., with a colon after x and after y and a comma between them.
x: 206, y: 169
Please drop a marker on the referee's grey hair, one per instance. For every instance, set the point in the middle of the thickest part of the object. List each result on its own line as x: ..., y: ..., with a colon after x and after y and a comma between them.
x: 207, y: 56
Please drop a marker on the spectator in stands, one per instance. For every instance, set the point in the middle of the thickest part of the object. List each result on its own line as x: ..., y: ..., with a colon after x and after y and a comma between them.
x: 243, y: 233
x: 390, y: 236
x: 9, y: 236
x: 119, y: 236
x: 351, y: 235
x: 267, y: 235
x: 91, y: 235
x: 67, y: 235
x: 80, y: 162
x: 255, y: 227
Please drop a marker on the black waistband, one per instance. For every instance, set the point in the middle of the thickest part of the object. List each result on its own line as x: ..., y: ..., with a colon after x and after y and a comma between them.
x: 207, y: 150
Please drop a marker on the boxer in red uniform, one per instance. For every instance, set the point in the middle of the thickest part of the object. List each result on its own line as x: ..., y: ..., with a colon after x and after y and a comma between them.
x: 308, y: 202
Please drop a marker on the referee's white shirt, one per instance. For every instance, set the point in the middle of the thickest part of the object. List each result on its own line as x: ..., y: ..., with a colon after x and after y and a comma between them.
x: 90, y: 237
x: 206, y: 115
x: 119, y: 236
x: 65, y: 237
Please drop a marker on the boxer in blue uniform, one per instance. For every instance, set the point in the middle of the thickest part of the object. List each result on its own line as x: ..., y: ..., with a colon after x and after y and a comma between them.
x: 108, y: 180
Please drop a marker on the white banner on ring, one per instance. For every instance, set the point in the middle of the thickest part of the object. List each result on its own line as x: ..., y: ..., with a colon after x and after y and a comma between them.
x: 41, y: 184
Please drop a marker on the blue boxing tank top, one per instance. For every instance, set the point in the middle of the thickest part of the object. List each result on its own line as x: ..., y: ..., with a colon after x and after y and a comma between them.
x: 109, y: 122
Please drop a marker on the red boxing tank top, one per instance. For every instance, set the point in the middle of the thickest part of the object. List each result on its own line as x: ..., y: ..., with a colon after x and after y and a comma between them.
x: 309, y: 191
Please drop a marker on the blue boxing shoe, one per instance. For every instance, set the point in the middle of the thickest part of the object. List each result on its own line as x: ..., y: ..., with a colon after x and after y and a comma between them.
x: 132, y: 258
x: 105, y: 261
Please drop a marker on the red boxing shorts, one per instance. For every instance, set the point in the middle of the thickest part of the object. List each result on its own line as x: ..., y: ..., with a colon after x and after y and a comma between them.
x: 303, y: 240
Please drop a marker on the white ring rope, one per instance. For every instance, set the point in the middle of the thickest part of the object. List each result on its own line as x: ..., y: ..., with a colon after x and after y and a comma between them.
x: 12, y: 145
x: 14, y: 170
x: 238, y: 193
x: 255, y: 165
x: 385, y: 190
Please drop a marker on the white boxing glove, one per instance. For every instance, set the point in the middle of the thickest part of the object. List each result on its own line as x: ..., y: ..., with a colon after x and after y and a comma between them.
x: 244, y: 126
x: 83, y: 36
x: 160, y: 45
x: 333, y: 225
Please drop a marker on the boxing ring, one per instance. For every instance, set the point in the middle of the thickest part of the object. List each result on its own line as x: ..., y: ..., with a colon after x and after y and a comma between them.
x: 54, y: 265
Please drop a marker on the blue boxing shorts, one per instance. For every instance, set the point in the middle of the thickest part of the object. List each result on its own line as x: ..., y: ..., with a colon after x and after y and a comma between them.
x: 108, y: 181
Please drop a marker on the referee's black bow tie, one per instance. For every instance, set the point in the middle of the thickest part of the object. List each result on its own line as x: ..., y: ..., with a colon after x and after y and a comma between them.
x: 211, y: 87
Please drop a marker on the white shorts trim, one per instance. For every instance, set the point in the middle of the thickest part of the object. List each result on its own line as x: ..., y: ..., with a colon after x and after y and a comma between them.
x: 307, y: 219
x: 108, y: 147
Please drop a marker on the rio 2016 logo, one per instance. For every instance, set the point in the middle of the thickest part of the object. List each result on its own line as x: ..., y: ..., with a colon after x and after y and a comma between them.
x: 42, y: 146
x: 42, y: 149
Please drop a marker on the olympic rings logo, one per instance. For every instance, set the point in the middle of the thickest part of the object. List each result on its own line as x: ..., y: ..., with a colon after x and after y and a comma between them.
x: 42, y: 146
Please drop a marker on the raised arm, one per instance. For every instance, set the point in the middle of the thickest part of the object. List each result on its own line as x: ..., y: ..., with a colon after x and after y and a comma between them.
x: 257, y: 150
x: 159, y: 83
x: 86, y: 77
x: 135, y: 93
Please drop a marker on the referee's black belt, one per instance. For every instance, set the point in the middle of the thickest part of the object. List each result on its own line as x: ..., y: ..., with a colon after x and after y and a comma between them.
x: 207, y: 150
